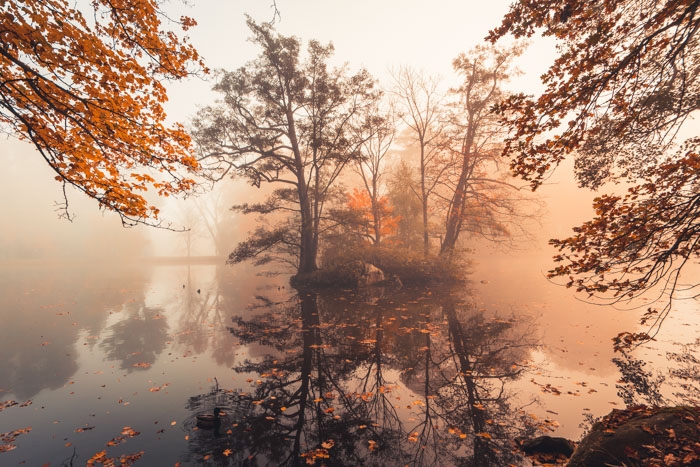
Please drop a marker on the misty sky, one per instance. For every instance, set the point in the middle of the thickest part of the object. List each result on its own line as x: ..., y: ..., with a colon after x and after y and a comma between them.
x: 376, y: 35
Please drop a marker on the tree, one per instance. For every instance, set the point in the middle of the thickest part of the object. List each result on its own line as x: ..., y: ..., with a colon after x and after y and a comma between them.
x: 404, y: 197
x: 616, y: 97
x: 289, y: 123
x: 372, y: 219
x: 474, y: 141
x: 88, y: 94
x: 421, y: 102
x: 377, y: 134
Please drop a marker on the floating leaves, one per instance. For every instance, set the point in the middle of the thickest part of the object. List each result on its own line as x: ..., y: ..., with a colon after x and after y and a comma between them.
x: 7, y: 439
x: 313, y: 455
x: 124, y: 460
x: 84, y: 428
x: 158, y: 388
x: 127, y: 432
x: 5, y: 404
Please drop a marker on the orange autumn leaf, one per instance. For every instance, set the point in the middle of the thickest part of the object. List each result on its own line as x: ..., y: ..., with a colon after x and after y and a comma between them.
x: 608, y: 103
x: 372, y: 219
x: 86, y: 87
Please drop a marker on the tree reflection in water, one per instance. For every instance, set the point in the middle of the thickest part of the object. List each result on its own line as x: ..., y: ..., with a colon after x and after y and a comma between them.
x: 677, y: 383
x: 409, y: 378
x: 137, y: 339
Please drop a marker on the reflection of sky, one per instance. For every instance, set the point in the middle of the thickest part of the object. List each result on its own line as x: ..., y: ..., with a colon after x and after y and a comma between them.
x: 75, y: 383
x: 72, y: 381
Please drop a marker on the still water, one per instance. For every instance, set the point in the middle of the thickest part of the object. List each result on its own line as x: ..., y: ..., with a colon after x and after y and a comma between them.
x: 104, y: 362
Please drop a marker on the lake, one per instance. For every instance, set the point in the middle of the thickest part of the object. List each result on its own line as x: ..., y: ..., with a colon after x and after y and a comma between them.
x: 117, y: 362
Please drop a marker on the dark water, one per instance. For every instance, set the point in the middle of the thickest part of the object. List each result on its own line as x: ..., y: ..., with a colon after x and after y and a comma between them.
x: 102, y: 362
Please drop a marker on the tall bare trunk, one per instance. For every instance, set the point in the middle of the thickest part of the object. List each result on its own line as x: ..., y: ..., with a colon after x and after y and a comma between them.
x: 424, y: 201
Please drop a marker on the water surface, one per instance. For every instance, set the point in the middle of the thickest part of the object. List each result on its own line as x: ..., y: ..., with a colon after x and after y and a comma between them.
x: 104, y: 361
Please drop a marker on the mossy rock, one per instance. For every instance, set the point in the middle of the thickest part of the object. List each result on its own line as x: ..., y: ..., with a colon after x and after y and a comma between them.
x: 352, y: 274
x: 642, y: 436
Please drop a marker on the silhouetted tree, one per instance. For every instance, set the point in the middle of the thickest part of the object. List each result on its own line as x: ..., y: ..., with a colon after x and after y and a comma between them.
x: 290, y: 123
x: 616, y: 97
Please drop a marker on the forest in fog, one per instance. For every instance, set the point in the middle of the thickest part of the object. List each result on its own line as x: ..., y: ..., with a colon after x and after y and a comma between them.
x: 338, y: 205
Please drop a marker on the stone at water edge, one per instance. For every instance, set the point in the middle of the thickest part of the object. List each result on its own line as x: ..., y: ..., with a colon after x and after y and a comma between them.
x: 624, y: 436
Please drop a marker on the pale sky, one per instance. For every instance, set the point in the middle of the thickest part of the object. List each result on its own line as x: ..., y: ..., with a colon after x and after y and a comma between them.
x: 374, y: 34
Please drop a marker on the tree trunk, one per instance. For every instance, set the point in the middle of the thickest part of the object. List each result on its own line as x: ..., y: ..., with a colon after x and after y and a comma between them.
x: 455, y: 212
x: 424, y: 201
x: 376, y: 214
x: 307, y: 247
x: 454, y: 219
x: 308, y: 243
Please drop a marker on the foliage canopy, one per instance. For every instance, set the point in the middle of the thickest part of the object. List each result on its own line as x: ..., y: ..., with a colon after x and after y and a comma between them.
x: 87, y: 91
x: 616, y: 97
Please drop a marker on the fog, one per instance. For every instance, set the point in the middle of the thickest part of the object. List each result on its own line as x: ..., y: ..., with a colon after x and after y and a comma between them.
x: 33, y: 225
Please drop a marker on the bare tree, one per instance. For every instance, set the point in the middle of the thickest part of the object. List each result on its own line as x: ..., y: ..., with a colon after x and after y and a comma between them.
x: 476, y: 197
x: 378, y: 130
x: 421, y: 102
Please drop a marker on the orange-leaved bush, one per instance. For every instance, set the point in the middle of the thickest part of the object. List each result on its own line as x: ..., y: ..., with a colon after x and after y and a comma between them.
x: 376, y: 221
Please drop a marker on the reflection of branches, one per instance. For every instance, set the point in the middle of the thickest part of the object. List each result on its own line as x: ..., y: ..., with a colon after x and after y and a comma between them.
x: 485, y: 361
x: 466, y: 366
x: 639, y: 384
x: 203, y: 308
x: 275, y: 430
x: 636, y: 385
x: 688, y: 373
x: 323, y: 389
x: 374, y: 387
x: 138, y: 339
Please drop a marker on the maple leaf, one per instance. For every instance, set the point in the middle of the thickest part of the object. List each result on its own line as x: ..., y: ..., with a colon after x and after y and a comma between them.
x: 90, y: 98
x: 608, y: 104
